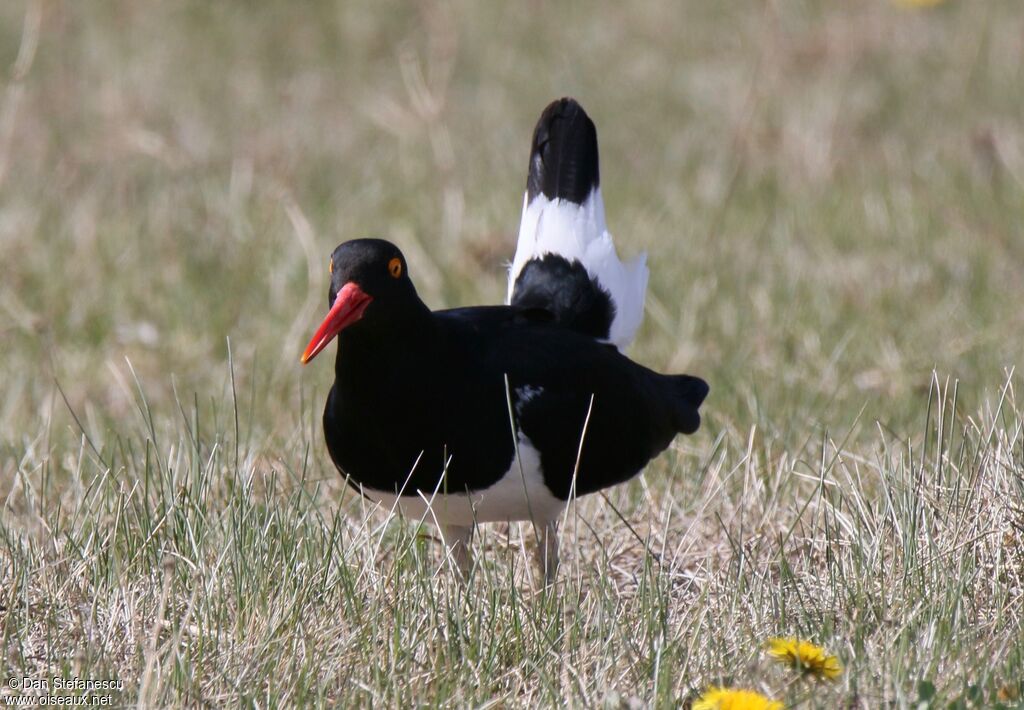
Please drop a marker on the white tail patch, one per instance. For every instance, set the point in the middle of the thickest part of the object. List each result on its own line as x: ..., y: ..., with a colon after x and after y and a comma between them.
x: 578, y: 232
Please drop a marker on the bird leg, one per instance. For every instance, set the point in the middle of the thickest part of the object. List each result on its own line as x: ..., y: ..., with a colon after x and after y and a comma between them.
x: 546, y: 552
x: 456, y: 539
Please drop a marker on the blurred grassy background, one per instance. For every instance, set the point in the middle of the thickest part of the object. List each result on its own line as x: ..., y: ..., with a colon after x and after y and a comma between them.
x: 831, y: 196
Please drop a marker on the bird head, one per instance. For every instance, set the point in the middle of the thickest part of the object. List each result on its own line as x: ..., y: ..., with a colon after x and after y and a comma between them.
x: 368, y: 279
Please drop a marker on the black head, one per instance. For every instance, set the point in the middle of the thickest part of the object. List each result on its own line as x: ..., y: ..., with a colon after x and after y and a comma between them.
x: 369, y: 283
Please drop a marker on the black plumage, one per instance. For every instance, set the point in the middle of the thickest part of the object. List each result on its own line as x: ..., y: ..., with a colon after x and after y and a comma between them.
x: 421, y: 399
x: 564, y: 288
x: 565, y: 261
x: 563, y: 154
x: 502, y: 412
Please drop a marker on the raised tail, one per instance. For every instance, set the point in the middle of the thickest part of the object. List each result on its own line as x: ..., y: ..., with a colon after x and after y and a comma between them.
x: 565, y: 260
x: 688, y: 393
x: 563, y: 155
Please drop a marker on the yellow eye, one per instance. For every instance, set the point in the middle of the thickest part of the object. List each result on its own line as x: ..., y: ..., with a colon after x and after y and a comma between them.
x: 330, y: 269
x: 395, y: 267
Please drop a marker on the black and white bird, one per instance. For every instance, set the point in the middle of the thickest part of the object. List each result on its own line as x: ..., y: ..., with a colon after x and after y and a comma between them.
x: 565, y: 260
x: 501, y: 413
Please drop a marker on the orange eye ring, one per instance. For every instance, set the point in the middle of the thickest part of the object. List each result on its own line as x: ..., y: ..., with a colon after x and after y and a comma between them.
x: 330, y: 269
x: 395, y: 267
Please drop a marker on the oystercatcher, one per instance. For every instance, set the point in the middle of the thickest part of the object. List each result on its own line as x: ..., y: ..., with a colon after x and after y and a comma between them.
x: 565, y: 260
x: 500, y: 413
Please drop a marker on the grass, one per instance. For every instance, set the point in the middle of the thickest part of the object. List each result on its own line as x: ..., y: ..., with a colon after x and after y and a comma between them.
x: 830, y: 195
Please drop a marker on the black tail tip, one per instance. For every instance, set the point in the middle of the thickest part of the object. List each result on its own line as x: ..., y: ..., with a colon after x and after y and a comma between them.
x: 690, y: 394
x: 693, y: 389
x: 563, y: 155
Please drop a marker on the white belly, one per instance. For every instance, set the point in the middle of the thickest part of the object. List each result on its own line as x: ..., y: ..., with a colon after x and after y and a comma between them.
x: 520, y: 494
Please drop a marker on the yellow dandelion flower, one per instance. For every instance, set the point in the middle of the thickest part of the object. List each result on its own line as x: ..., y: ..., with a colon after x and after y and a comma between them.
x: 729, y: 699
x: 805, y: 656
